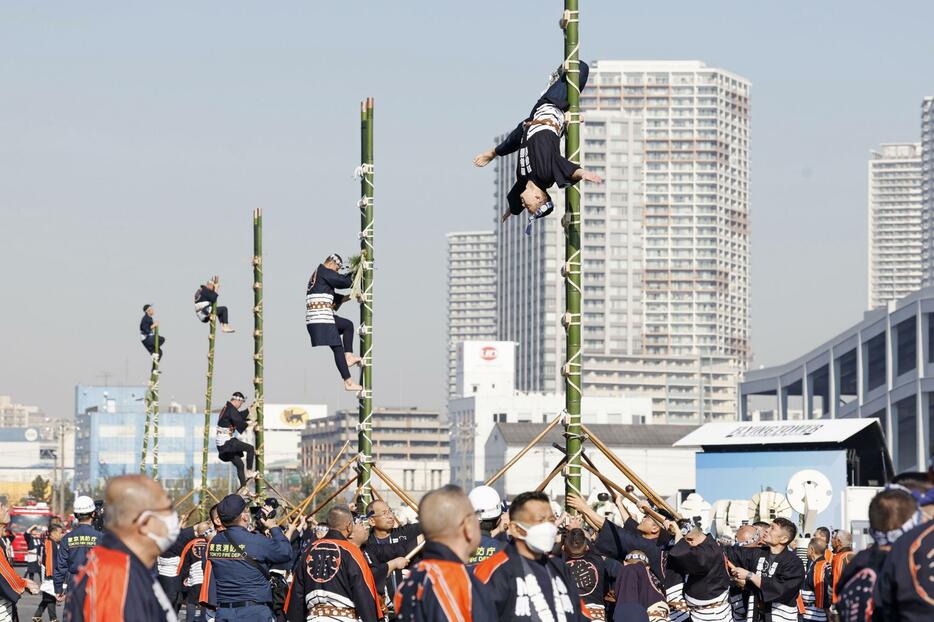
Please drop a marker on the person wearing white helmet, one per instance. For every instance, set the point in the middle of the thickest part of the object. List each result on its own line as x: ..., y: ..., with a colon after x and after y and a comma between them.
x: 489, y: 508
x: 74, y: 547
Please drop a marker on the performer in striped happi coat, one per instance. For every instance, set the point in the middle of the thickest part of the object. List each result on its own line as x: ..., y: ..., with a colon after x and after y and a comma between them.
x: 773, y: 574
x: 324, y: 327
x: 700, y: 559
x: 540, y: 164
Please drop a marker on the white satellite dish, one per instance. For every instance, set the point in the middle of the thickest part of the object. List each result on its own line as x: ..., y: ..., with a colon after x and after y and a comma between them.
x: 768, y: 505
x: 809, y: 492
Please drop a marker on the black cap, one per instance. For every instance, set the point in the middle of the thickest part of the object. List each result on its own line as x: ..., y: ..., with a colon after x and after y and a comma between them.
x: 230, y: 507
x: 237, y: 396
x: 146, y: 308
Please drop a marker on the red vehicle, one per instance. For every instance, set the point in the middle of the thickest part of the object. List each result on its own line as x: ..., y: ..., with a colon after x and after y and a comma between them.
x: 22, y: 517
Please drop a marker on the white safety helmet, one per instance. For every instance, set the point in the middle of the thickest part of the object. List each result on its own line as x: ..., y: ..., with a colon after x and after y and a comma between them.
x: 84, y: 505
x: 486, y: 502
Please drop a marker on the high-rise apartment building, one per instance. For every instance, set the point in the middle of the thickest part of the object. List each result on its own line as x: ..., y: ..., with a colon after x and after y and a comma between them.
x: 530, y: 288
x: 665, y: 240
x: 471, y: 292
x: 696, y: 292
x: 927, y: 190
x: 895, y: 264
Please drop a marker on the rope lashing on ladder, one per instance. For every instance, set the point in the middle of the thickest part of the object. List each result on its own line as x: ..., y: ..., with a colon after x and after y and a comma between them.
x: 362, y: 171
x: 572, y: 265
x: 574, y: 118
x: 570, y: 319
x: 569, y: 17
x: 566, y: 220
x: 572, y: 366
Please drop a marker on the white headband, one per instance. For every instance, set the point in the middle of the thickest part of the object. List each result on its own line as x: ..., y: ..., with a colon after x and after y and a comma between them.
x: 888, y: 538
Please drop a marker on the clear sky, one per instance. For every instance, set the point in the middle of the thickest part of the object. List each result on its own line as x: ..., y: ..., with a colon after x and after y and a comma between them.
x: 136, y: 138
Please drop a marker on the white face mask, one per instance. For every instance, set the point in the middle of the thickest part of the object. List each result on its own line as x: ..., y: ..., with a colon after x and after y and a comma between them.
x: 172, y: 529
x: 539, y: 538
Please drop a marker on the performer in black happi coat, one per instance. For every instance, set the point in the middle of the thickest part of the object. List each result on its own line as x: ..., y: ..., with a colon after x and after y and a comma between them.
x: 325, y: 328
x: 540, y: 164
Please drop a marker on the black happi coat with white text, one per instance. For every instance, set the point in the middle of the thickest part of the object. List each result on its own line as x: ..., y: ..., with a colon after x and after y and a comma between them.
x: 517, y: 597
x: 782, y: 577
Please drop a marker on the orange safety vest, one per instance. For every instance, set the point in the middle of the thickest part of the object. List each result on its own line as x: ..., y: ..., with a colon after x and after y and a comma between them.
x: 840, y: 560
x: 819, y: 566
x: 49, y: 560
x: 452, y: 587
x: 107, y: 573
x: 9, y: 575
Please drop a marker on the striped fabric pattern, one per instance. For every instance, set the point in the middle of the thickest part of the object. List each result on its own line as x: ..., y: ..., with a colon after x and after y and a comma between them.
x: 784, y: 613
x: 721, y: 613
x: 318, y: 309
x: 329, y: 599
x: 812, y: 613
x: 222, y: 435
x: 550, y: 113
x: 673, y: 594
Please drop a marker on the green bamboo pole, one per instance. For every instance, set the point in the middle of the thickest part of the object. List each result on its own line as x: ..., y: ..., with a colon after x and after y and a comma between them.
x: 153, y: 388
x: 572, y: 253
x: 258, y: 344
x: 203, y: 501
x: 154, y: 400
x: 365, y: 433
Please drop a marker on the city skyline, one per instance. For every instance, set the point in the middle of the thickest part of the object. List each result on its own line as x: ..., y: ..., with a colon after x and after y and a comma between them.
x: 131, y: 171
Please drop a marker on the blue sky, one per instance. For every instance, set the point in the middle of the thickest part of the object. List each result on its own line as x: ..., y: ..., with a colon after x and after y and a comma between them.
x: 136, y: 138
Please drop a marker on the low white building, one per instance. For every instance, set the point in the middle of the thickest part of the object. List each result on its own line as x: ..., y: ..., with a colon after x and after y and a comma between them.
x: 487, y: 397
x: 646, y: 449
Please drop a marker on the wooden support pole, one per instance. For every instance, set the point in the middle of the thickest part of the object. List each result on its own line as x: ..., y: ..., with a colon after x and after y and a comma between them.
x: 637, y: 481
x: 393, y: 486
x: 323, y: 482
x: 552, y: 475
x: 524, y: 451
x: 324, y: 504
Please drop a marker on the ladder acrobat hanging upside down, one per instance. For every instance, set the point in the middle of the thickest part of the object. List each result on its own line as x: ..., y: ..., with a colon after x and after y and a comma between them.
x: 540, y: 164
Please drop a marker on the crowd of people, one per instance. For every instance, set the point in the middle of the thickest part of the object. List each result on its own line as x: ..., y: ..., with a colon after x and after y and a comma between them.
x: 470, y: 557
